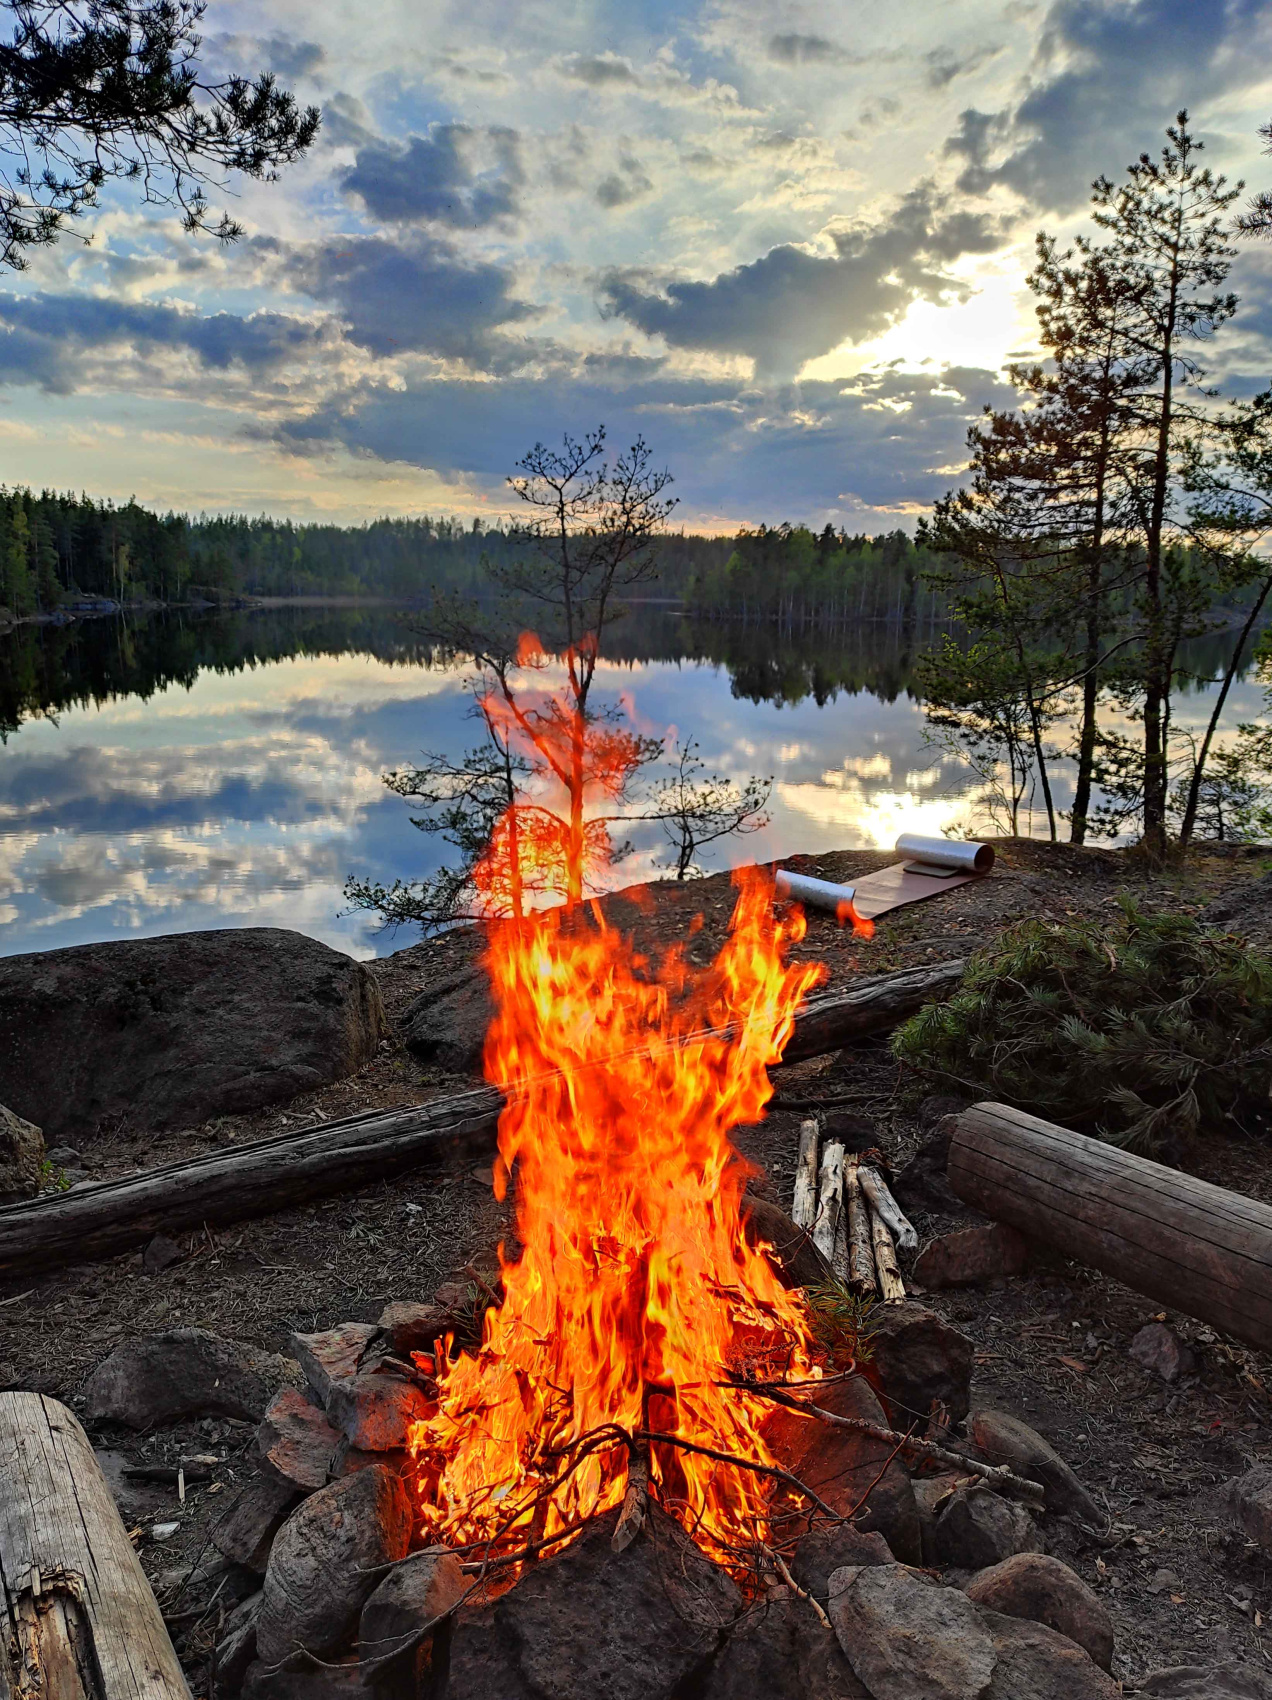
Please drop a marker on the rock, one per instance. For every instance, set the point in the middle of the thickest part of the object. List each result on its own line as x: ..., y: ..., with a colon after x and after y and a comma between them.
x: 793, y: 1254
x: 930, y: 1495
x: 296, y: 1443
x: 160, y: 1254
x: 339, y: 1680
x: 1004, y: 1439
x: 348, y: 1458
x: 918, y: 1357
x: 588, y: 1623
x: 21, y: 1158
x: 1159, y: 1350
x: 246, y: 1532
x: 831, y: 1547
x: 779, y: 1651
x: 322, y: 1567
x: 907, y: 1637
x: 166, y: 1032
x: 187, y: 1372
x: 235, y: 1648
x: 446, y: 1024
x: 970, y: 1257
x: 332, y: 1356
x: 853, y: 1131
x: 1201, y: 1682
x: 1033, y: 1662
x: 976, y: 1529
x: 375, y: 1412
x: 63, y: 1156
x: 1250, y: 1502
x: 1032, y: 1585
x: 396, y: 1617
x: 165, y: 1531
x: 922, y: 1185
x: 411, y: 1327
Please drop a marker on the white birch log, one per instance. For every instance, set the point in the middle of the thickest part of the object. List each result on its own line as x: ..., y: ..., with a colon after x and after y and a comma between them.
x: 861, y: 1264
x: 885, y: 1255
x: 804, y: 1205
x: 885, y: 1206
x: 830, y: 1199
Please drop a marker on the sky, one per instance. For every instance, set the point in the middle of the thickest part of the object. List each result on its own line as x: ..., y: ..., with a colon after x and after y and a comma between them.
x: 786, y: 243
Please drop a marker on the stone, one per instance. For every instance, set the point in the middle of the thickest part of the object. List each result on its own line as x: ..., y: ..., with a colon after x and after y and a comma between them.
x: 323, y: 1564
x: 332, y: 1356
x: 779, y: 1651
x: 1032, y: 1662
x: 235, y: 1648
x: 246, y: 1532
x: 922, y: 1185
x: 338, y: 1680
x: 402, y: 1613
x: 21, y: 1158
x: 907, y: 1637
x: 63, y: 1156
x: 976, y: 1528
x: 1159, y: 1350
x: 165, y: 1531
x: 347, y: 1459
x: 1004, y: 1439
x: 790, y: 1249
x: 187, y: 1372
x: 446, y: 1024
x: 917, y: 1357
x: 970, y: 1257
x: 853, y: 1473
x: 635, y: 1625
x: 1207, y: 1682
x: 166, y: 1032
x: 411, y: 1327
x: 831, y: 1547
x: 930, y: 1495
x: 295, y: 1442
x: 1250, y: 1503
x: 1032, y: 1585
x: 160, y: 1254
x: 375, y: 1412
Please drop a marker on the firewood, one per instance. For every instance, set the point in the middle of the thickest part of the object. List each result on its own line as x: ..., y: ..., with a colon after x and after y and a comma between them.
x: 73, y: 1596
x: 804, y: 1204
x: 830, y: 1199
x: 886, y: 1207
x: 631, y: 1519
x: 861, y: 1266
x: 891, y: 1286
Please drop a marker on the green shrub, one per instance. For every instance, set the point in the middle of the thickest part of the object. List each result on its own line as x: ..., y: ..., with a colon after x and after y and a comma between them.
x: 1145, y: 1031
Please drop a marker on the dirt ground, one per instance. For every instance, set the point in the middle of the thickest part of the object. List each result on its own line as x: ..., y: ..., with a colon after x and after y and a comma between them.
x: 1051, y: 1346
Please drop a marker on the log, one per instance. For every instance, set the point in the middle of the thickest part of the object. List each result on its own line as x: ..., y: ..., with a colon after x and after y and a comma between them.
x: 81, y: 1621
x: 804, y: 1204
x: 891, y: 1286
x: 886, y: 1207
x: 861, y: 1266
x: 95, y: 1221
x: 830, y: 1199
x: 1178, y: 1240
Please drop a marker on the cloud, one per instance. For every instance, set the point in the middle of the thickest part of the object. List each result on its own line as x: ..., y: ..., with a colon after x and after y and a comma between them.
x: 1108, y: 78
x: 248, y: 54
x: 600, y: 70
x: 455, y: 176
x: 795, y: 49
x: 629, y: 183
x: 944, y: 65
x: 792, y: 305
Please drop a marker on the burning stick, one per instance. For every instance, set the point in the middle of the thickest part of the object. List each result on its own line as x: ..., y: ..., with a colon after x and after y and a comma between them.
x: 804, y: 1204
x: 886, y: 1207
x: 830, y: 1199
x: 631, y: 1519
x: 861, y: 1268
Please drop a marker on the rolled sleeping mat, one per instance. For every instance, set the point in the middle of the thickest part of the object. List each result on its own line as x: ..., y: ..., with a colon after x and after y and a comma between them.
x: 815, y: 894
x: 944, y: 855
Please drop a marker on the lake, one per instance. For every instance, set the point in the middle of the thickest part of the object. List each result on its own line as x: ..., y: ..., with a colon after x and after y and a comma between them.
x: 181, y: 770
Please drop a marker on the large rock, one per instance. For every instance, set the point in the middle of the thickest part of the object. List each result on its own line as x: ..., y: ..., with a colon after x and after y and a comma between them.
x: 831, y: 1547
x: 375, y: 1412
x: 592, y: 1623
x: 161, y: 1033
x: 21, y: 1157
x: 970, y: 1257
x: 918, y: 1357
x: 850, y: 1471
x: 245, y: 1533
x: 908, y: 1638
x: 1032, y: 1662
x: 296, y: 1442
x: 1250, y: 1502
x: 923, y: 1186
x: 779, y: 1651
x: 446, y: 1024
x: 334, y: 1356
x: 1200, y: 1682
x: 235, y: 1648
x: 324, y: 1563
x: 187, y: 1372
x: 1032, y: 1585
x: 399, y: 1619
x: 1004, y: 1439
x: 976, y: 1528
x: 412, y: 1327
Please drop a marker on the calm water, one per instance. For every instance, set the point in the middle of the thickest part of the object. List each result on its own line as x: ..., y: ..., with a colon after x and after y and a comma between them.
x: 224, y: 770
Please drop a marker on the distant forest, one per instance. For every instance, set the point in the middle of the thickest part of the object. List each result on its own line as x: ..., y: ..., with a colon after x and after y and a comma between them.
x: 57, y: 550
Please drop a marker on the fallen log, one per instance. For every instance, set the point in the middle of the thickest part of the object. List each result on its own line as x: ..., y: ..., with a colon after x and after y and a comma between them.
x: 94, y: 1221
x: 81, y: 1622
x: 830, y: 1199
x: 1181, y: 1241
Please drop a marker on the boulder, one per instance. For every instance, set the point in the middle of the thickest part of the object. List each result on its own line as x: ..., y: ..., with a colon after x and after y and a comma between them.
x: 410, y: 1327
x: 187, y: 1372
x: 21, y: 1158
x: 917, y: 1357
x: 1207, y: 1682
x: 1004, y: 1439
x: 375, y: 1412
x: 246, y: 1532
x: 907, y: 1637
x: 1032, y: 1662
x: 398, y: 1619
x: 166, y: 1032
x: 235, y: 1648
x: 296, y: 1443
x: 792, y: 1251
x: 850, y: 1471
x: 446, y: 1024
x: 930, y: 1495
x: 976, y: 1528
x: 1161, y: 1352
x: 1032, y: 1585
x: 1250, y: 1503
x: 971, y: 1257
x: 333, y: 1356
x: 832, y: 1547
x: 590, y: 1622
x: 922, y: 1185
x: 160, y: 1254
x: 348, y: 1458
x: 779, y: 1651
x: 323, y: 1565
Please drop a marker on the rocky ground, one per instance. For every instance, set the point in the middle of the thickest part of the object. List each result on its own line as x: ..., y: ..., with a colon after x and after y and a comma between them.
x: 1181, y: 1583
